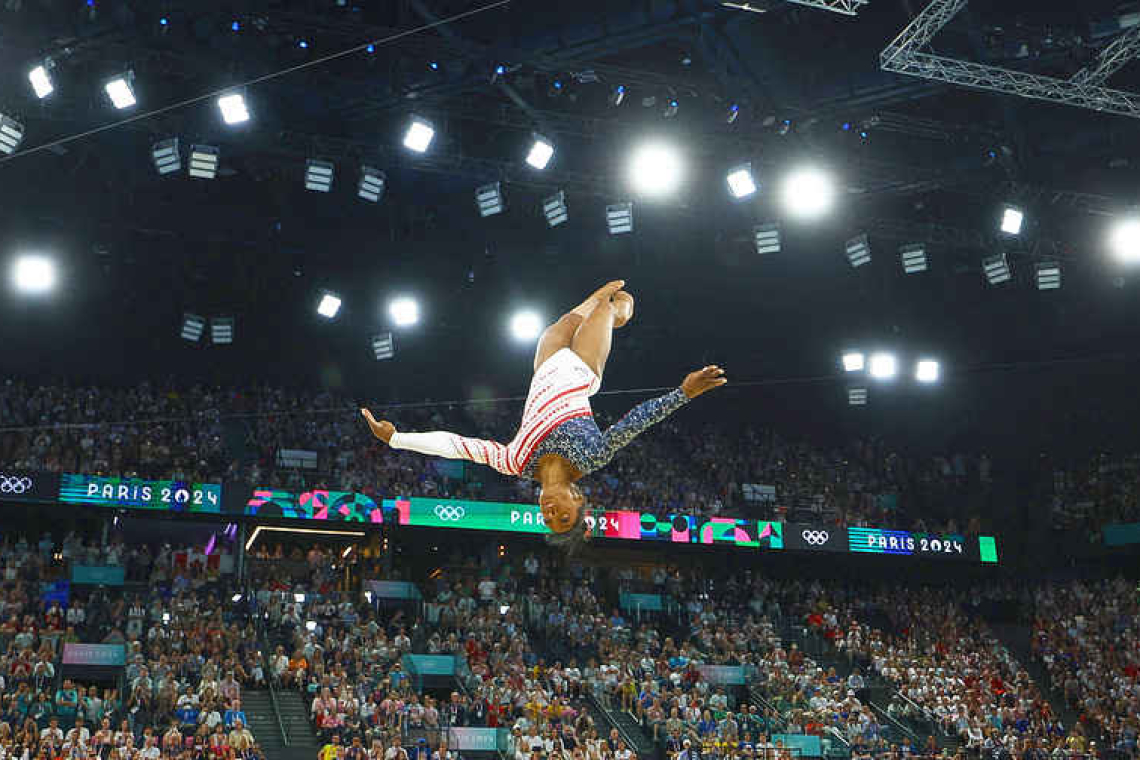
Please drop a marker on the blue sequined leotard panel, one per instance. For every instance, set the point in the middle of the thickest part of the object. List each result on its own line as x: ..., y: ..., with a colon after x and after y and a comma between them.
x: 587, y: 448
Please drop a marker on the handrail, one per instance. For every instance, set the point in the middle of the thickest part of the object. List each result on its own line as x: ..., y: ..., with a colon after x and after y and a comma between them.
x: 268, y: 667
x: 925, y: 713
x: 897, y: 723
x: 838, y: 735
x: 591, y: 696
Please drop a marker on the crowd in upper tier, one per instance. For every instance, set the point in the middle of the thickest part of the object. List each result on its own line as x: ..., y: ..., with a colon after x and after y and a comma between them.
x: 683, y: 464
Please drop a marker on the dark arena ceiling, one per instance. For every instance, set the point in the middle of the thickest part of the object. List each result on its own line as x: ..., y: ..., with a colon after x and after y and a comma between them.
x: 915, y: 160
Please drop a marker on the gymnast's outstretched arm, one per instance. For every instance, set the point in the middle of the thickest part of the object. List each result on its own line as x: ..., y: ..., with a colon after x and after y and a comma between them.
x: 440, y: 443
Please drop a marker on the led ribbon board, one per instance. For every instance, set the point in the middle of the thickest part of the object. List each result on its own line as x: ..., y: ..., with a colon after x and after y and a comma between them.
x: 135, y: 493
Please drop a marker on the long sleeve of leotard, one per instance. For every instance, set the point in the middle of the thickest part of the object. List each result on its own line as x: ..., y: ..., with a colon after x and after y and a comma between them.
x: 441, y: 443
x: 639, y: 419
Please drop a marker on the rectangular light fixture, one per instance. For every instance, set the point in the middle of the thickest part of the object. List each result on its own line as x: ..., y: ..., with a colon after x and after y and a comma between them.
x: 233, y: 108
x: 859, y: 251
x: 913, y: 257
x: 120, y: 92
x: 489, y: 199
x: 1048, y: 275
x: 319, y: 175
x: 383, y: 346
x: 203, y: 161
x: 541, y: 151
x: 927, y: 371
x: 766, y: 238
x: 857, y: 396
x: 555, y: 210
x: 222, y: 330
x: 419, y: 135
x: 167, y: 157
x: 41, y: 80
x: 11, y: 134
x: 372, y: 184
x: 1011, y: 220
x: 329, y: 306
x: 192, y: 327
x: 853, y: 361
x: 997, y: 269
x: 740, y: 181
x: 619, y: 218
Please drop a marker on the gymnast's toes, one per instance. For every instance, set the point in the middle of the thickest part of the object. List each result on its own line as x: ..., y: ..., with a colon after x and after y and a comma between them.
x: 623, y: 308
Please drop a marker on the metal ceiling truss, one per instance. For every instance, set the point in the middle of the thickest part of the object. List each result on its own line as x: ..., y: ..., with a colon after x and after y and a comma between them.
x: 1113, y: 58
x: 904, y: 56
x: 846, y: 7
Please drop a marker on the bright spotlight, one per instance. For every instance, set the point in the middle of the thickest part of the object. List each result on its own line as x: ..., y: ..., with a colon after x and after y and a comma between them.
x: 541, y: 151
x: 329, y: 306
x: 526, y: 326
x: 404, y: 311
x: 299, y: 597
x: 740, y: 181
x: 41, y: 81
x: 235, y: 598
x: 33, y: 275
x: 1011, y: 220
x: 884, y: 366
x: 1125, y: 240
x: 233, y: 108
x: 808, y: 193
x: 655, y: 169
x: 310, y: 625
x: 120, y: 92
x: 853, y: 361
x: 419, y: 135
x: 927, y: 371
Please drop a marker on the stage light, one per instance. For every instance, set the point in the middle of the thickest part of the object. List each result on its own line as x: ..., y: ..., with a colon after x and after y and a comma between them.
x: 235, y: 26
x: 1011, y: 220
x: 372, y: 184
x: 233, y: 108
x: 310, y: 625
x: 740, y: 181
x: 541, y: 151
x: 808, y: 193
x: 1124, y: 240
x: 555, y: 210
x: 319, y: 175
x: 383, y: 346
x: 222, y: 330
x: 927, y: 371
x: 619, y: 218
x: 167, y: 156
x: 671, y: 107
x: 299, y: 598
x: 434, y: 65
x: 913, y: 257
x: 655, y: 169
x: 11, y: 134
x: 163, y: 21
x: 419, y: 135
x: 617, y: 95
x: 858, y: 251
x: 1048, y: 275
x: 766, y: 238
x: 303, y: 44
x: 120, y: 92
x: 853, y: 361
x: 329, y: 305
x: 41, y: 80
x: 997, y: 269
x: 404, y: 311
x: 883, y: 366
x: 192, y: 327
x: 33, y: 275
x: 235, y: 598
x: 203, y: 161
x: 489, y: 199
x: 857, y: 396
x: 732, y: 113
x: 526, y: 326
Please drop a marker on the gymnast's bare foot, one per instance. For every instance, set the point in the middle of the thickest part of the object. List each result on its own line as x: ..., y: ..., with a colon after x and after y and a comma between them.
x: 601, y: 295
x: 383, y: 429
x: 623, y: 308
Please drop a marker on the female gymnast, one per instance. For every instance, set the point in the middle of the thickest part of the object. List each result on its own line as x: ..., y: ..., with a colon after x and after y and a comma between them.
x: 558, y: 441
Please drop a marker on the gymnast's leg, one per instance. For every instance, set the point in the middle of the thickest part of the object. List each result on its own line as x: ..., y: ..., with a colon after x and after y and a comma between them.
x: 593, y: 338
x: 560, y: 334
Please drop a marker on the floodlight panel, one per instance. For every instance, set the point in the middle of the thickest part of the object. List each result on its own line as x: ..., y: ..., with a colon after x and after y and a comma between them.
x: 767, y: 238
x: 329, y: 306
x: 883, y: 365
x: 1048, y: 275
x: 222, y: 330
x: 913, y: 258
x: 319, y: 176
x: 233, y: 108
x: 555, y: 210
x: 1125, y: 240
x: 526, y: 326
x: 997, y: 269
x: 853, y: 361
x: 11, y: 134
x: 541, y: 151
x: 419, y: 135
x: 404, y: 311
x: 808, y: 193
x: 41, y: 81
x: 372, y: 184
x: 927, y: 371
x: 740, y: 182
x: 383, y: 346
x: 1011, y: 220
x: 192, y: 327
x: 489, y: 199
x: 120, y: 92
x: 857, y: 396
x: 655, y: 169
x: 619, y: 218
x: 33, y: 274
x: 859, y: 251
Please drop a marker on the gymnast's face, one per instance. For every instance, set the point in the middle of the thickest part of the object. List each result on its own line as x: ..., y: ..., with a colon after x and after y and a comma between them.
x: 560, y: 503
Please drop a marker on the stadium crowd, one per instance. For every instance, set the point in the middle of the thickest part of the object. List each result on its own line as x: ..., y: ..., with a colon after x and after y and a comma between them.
x: 210, y: 435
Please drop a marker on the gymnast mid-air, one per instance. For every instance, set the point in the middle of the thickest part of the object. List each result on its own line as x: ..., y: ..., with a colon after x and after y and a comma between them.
x: 558, y: 441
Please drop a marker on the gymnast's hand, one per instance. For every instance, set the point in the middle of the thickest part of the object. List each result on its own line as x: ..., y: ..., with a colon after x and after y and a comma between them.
x: 382, y: 429
x: 702, y: 380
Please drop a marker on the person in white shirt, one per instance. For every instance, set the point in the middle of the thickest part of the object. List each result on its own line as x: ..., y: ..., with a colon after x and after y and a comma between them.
x: 79, y: 735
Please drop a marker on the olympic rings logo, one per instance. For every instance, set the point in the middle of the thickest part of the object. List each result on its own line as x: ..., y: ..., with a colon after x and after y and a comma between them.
x: 448, y: 513
x: 815, y: 537
x: 15, y: 484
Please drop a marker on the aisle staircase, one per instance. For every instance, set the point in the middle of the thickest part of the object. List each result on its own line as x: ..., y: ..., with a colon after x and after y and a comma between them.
x: 263, y: 723
x: 1016, y: 637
